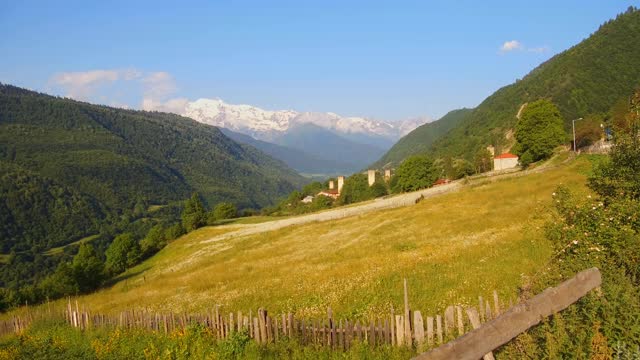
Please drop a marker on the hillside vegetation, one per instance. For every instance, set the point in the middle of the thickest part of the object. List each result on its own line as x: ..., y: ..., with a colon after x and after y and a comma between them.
x: 69, y: 170
x: 422, y: 138
x: 587, y: 79
x: 356, y: 264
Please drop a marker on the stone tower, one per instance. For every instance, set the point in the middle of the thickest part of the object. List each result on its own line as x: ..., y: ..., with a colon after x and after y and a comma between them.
x: 387, y: 175
x: 340, y: 183
x: 372, y: 177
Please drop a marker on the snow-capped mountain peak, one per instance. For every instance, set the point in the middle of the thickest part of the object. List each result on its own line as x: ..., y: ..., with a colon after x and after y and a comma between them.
x: 265, y: 124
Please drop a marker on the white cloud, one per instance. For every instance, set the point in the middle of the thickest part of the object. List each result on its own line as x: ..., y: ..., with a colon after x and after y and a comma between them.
x: 175, y: 105
x: 158, y: 84
x: 82, y: 84
x: 155, y: 88
x: 515, y: 45
x: 511, y: 46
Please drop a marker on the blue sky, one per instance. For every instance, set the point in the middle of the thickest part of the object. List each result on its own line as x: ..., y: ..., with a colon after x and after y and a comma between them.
x: 388, y: 60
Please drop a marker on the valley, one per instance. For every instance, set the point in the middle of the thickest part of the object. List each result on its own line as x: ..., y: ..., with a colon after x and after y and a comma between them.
x: 142, y: 216
x: 306, y: 266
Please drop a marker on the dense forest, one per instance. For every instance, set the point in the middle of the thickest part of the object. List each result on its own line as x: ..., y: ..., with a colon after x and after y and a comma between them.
x: 586, y: 80
x: 72, y: 172
x: 421, y: 139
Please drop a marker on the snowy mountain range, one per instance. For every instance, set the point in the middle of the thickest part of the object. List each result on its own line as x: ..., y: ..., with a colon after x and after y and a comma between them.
x: 310, y: 142
x: 268, y: 125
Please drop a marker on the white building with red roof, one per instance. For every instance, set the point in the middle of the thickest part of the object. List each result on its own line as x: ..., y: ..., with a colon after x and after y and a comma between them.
x: 505, y: 161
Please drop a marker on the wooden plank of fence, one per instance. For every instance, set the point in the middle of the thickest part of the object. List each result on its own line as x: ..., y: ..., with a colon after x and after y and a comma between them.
x: 439, y: 329
x: 496, y: 303
x: 372, y: 332
x: 400, y: 330
x: 262, y: 321
x: 460, y: 320
x: 429, y: 330
x: 256, y: 329
x: 449, y: 320
x: 269, y: 329
x: 392, y: 321
x: 290, y: 325
x: 418, y: 328
x: 332, y: 334
x: 487, y: 311
x: 481, y: 308
x: 407, y: 316
x: 518, y: 319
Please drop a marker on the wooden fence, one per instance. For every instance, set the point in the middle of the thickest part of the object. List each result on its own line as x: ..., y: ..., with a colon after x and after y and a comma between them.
x: 407, y: 328
x: 404, y: 328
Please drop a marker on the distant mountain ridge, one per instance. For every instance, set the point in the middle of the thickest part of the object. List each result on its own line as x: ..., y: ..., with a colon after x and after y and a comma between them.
x: 320, y: 143
x: 266, y: 124
x: 587, y: 79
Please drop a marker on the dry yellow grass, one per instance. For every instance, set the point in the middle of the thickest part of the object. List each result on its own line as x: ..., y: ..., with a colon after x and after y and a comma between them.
x: 451, y: 248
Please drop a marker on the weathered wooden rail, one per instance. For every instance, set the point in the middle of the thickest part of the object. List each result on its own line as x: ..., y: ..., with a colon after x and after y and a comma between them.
x: 516, y: 320
x: 478, y: 330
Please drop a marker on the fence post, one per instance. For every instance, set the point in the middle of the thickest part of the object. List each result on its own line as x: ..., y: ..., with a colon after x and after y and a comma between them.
x: 449, y: 323
x: 407, y: 316
x: 418, y: 328
x: 460, y: 320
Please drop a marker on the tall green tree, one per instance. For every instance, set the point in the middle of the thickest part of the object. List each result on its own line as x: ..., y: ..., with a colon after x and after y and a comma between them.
x: 619, y: 175
x: 61, y: 283
x: 154, y: 241
x: 355, y: 189
x: 483, y: 161
x: 378, y: 189
x: 193, y: 215
x: 415, y: 173
x: 227, y: 211
x: 124, y: 252
x: 88, y: 268
x: 538, y: 132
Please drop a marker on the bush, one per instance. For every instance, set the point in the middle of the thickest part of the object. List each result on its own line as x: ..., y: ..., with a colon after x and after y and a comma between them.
x: 193, y: 215
x: 123, y: 253
x: 154, y: 241
x: 415, y: 173
x: 224, y: 211
x: 604, y: 232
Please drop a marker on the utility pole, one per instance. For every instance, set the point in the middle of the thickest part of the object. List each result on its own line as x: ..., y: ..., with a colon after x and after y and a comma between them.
x: 573, y: 122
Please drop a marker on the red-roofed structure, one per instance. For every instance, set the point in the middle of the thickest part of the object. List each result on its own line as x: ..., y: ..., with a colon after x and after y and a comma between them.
x: 505, y: 161
x: 506, y: 156
x: 332, y: 193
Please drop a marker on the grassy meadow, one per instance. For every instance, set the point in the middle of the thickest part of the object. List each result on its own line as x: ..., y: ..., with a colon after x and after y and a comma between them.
x: 451, y: 248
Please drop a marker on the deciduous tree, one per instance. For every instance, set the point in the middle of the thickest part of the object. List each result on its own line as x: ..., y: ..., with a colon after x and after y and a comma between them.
x: 538, y: 132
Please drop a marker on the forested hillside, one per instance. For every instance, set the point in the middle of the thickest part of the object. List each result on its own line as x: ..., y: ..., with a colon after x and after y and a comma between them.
x: 69, y: 170
x: 587, y: 79
x: 420, y: 140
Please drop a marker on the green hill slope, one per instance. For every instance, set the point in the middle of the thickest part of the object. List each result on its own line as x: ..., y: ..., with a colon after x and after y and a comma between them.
x: 68, y: 168
x: 356, y: 264
x: 588, y: 78
x: 420, y: 139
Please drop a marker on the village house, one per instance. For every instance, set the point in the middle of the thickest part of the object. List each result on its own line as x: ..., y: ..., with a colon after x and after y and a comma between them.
x: 332, y: 192
x: 505, y: 161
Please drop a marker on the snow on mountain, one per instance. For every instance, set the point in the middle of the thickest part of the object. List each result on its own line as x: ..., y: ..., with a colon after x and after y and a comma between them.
x: 265, y: 124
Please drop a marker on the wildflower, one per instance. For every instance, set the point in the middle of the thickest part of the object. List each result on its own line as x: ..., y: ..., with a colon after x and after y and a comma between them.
x: 575, y: 242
